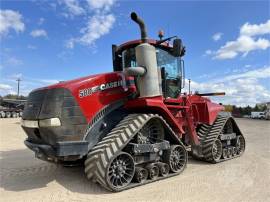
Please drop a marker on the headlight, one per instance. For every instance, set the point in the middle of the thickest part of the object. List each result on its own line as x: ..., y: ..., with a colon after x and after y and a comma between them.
x: 52, y: 122
x: 29, y: 123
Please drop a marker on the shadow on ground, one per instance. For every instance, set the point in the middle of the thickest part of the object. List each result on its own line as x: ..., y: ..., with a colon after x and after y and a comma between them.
x: 21, y: 171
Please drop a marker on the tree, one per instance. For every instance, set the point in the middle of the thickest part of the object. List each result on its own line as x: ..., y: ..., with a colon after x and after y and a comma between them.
x: 256, y: 108
x: 248, y: 110
x: 12, y: 96
x: 228, y: 108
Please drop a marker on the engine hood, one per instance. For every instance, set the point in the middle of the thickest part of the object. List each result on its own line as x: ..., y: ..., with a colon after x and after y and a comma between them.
x: 94, y: 92
x: 76, y: 83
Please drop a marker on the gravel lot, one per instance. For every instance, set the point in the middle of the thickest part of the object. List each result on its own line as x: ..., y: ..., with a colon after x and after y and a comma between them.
x: 25, y: 178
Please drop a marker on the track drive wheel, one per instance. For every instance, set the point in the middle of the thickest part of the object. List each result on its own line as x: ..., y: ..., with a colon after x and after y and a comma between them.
x: 217, y: 150
x: 176, y: 158
x: 120, y: 171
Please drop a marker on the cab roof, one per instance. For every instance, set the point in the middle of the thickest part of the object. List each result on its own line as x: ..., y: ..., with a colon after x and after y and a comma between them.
x: 134, y: 43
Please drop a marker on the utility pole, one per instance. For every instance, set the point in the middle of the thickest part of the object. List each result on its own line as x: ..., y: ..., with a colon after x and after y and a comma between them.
x: 18, y: 89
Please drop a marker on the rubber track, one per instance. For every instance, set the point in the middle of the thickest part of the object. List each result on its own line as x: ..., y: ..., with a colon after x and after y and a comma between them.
x: 208, y: 134
x: 111, y: 145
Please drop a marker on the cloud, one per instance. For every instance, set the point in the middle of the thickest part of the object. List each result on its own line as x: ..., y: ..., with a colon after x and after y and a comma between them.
x: 247, y: 41
x: 101, y: 4
x: 48, y: 81
x: 96, y: 26
x: 13, y: 61
x: 241, y: 89
x: 208, y: 52
x: 41, y: 21
x: 73, y: 7
x: 9, y: 20
x: 261, y: 73
x: 31, y: 47
x: 253, y: 30
x: 6, y: 89
x: 38, y: 33
x: 243, y: 44
x: 16, y: 76
x: 8, y: 85
x: 217, y: 36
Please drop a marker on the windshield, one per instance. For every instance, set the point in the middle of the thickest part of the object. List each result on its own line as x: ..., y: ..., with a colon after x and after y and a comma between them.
x: 171, y: 65
x: 169, y: 62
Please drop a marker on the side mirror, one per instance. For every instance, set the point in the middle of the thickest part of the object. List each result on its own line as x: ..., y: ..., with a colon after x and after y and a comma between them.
x: 178, y: 48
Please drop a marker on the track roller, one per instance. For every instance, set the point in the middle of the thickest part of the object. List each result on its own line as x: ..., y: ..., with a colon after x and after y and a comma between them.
x: 141, y: 175
x: 225, y: 153
x: 153, y: 171
x: 230, y: 152
x: 234, y: 151
x: 164, y: 169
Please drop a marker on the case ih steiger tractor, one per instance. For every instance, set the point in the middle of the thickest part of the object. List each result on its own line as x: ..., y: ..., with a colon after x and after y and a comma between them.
x: 134, y: 125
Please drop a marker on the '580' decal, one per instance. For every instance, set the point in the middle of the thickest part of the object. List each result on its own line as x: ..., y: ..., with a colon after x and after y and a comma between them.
x: 89, y: 91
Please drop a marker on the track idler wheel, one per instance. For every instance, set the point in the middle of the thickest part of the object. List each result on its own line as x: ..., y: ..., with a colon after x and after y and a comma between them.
x: 153, y: 171
x: 141, y: 175
x: 176, y: 158
x: 217, y: 150
x: 240, y: 145
x: 164, y: 169
x: 120, y: 171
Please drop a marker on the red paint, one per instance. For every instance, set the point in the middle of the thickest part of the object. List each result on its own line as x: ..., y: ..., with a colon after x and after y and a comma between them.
x: 183, y: 114
x: 93, y: 103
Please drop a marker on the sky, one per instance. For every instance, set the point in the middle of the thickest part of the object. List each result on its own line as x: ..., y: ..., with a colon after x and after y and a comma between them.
x: 227, y: 42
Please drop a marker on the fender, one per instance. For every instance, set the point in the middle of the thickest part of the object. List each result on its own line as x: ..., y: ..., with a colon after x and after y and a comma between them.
x: 103, y: 122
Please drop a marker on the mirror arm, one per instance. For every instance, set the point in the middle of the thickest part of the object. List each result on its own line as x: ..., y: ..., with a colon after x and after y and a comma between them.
x: 163, y: 40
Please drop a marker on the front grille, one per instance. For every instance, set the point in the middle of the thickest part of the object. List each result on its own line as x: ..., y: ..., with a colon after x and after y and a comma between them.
x: 58, y: 102
x: 34, y: 104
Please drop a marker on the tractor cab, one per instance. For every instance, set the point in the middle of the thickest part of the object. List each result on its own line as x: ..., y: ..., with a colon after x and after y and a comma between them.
x: 168, y: 58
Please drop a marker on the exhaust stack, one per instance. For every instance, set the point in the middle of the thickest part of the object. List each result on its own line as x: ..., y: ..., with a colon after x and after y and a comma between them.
x: 140, y: 22
x: 148, y: 83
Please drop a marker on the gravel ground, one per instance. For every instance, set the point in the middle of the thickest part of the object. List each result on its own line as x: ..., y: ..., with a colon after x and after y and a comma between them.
x: 25, y: 178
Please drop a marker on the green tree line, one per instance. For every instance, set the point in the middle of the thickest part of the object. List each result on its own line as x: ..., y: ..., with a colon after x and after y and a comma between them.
x: 242, y: 111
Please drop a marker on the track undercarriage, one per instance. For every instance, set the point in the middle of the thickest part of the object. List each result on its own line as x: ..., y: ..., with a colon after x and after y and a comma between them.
x: 221, y: 141
x: 138, y: 151
x: 135, y: 152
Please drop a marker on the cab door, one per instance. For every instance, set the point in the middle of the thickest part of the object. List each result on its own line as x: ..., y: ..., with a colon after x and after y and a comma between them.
x: 171, y: 73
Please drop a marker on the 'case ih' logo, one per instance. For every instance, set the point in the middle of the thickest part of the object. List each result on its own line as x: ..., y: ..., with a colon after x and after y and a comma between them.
x: 104, y: 86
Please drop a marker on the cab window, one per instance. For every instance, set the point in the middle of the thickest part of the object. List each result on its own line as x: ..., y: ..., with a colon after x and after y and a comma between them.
x: 171, y: 65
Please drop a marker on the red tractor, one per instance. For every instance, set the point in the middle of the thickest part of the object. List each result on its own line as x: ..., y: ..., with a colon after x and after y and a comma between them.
x: 134, y: 125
